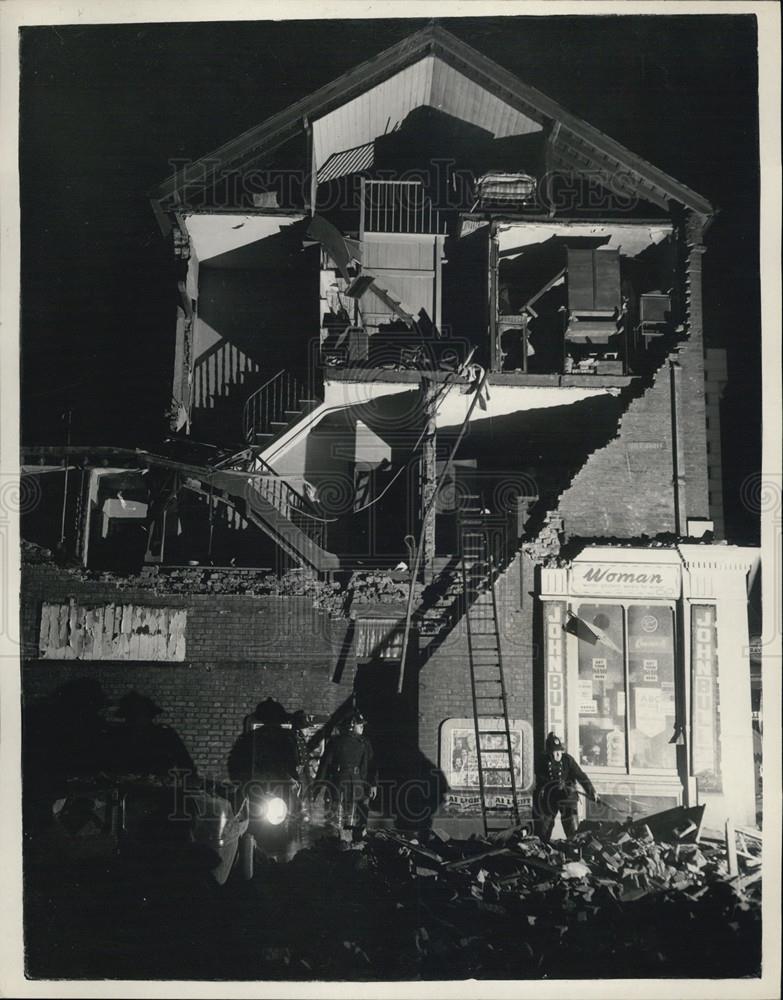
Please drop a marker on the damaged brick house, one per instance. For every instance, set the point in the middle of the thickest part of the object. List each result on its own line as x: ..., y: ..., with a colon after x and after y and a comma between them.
x: 439, y: 409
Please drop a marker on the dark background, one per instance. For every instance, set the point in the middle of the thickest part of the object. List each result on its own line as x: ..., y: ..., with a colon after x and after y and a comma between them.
x: 105, y: 108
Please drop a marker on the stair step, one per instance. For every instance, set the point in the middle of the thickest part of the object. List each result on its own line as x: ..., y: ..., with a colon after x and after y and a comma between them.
x: 278, y: 423
x: 293, y: 413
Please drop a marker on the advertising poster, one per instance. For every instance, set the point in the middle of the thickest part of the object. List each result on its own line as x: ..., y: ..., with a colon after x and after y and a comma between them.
x: 459, y: 754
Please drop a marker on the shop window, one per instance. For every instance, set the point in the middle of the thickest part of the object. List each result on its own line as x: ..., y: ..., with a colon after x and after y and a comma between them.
x: 626, y: 686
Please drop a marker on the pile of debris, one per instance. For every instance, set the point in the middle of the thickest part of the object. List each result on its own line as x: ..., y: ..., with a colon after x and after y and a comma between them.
x: 640, y: 900
x: 614, y: 901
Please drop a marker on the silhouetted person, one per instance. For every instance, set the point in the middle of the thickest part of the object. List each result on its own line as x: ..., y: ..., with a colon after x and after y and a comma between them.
x: 64, y: 736
x: 299, y: 722
x: 144, y: 746
x: 347, y: 773
x: 265, y: 751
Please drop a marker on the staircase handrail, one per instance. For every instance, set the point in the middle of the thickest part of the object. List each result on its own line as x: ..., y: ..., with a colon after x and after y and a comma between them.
x: 287, y: 397
x: 270, y: 473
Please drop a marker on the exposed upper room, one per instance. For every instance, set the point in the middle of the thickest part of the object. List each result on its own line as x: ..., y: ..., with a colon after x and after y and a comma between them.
x: 475, y: 113
x: 425, y: 207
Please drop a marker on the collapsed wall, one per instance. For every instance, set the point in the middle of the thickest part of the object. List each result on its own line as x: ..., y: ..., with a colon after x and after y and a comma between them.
x: 632, y: 486
x: 239, y: 648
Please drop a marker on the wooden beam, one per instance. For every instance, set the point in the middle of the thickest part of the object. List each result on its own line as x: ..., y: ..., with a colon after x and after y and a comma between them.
x: 566, y: 159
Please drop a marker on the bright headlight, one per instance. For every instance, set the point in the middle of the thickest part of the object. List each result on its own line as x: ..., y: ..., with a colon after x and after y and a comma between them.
x: 275, y: 811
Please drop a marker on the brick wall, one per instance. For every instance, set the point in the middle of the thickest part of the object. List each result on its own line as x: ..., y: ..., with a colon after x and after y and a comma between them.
x: 240, y: 649
x: 444, y: 684
x: 625, y: 489
x: 694, y: 429
x: 714, y: 384
x: 693, y: 413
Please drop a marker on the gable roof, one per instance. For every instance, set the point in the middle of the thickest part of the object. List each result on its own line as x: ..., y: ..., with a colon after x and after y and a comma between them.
x: 574, y: 144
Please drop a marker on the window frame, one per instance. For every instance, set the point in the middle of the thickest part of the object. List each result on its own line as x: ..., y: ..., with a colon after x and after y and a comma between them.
x: 637, y: 774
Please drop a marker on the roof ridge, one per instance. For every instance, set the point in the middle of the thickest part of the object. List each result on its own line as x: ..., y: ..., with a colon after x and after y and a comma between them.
x: 432, y: 39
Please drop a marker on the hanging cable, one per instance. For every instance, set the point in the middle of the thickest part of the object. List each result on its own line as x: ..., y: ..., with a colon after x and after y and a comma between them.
x: 429, y: 508
x: 465, y: 368
x: 437, y: 403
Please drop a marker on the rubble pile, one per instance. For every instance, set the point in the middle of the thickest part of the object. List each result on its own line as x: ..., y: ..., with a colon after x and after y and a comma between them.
x: 612, y: 902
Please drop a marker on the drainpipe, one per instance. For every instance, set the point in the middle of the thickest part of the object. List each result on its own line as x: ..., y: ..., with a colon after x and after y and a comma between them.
x: 66, y: 467
x: 311, y: 191
x: 678, y: 468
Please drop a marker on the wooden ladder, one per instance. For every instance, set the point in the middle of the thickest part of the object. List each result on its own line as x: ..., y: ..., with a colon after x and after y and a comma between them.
x: 494, y: 751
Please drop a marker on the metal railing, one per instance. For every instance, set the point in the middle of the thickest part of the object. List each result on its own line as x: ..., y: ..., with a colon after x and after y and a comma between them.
x: 398, y: 207
x: 217, y: 370
x: 287, y: 501
x: 272, y: 404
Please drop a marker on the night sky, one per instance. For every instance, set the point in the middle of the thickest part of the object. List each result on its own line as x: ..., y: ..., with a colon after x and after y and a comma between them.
x: 104, y: 109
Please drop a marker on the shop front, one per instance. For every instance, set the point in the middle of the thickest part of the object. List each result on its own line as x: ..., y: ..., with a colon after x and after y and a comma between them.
x: 647, y: 675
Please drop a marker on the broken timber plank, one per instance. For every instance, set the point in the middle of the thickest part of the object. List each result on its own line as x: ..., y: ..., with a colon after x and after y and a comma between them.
x: 462, y: 862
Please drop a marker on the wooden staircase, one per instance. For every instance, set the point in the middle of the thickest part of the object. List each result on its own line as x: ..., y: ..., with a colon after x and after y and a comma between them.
x: 222, y: 378
x: 270, y: 503
x: 274, y: 408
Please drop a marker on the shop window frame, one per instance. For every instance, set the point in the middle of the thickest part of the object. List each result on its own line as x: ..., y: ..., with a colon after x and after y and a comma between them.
x: 653, y: 775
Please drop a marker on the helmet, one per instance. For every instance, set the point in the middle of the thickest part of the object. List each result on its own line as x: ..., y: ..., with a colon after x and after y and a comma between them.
x: 554, y: 743
x: 271, y: 712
